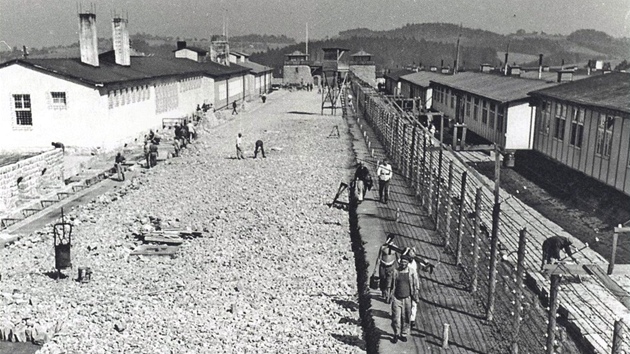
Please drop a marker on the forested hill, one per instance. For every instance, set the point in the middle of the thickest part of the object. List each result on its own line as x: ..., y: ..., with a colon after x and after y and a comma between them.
x: 430, y: 43
x: 388, y: 53
x: 579, y: 46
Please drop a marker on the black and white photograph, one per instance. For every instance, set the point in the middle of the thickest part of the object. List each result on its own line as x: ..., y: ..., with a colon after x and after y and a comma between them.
x: 314, y: 177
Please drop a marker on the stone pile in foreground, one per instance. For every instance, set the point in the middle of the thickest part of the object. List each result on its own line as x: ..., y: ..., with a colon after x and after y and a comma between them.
x: 273, y: 270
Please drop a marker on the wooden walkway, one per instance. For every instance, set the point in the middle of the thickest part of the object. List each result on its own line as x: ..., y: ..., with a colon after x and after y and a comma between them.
x: 445, y: 299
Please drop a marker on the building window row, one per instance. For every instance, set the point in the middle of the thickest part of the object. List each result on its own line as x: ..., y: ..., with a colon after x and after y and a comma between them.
x: 191, y: 83
x: 166, y: 97
x: 545, y: 122
x: 121, y: 97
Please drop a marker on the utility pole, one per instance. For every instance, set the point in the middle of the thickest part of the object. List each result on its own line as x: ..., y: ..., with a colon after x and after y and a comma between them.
x: 456, y: 68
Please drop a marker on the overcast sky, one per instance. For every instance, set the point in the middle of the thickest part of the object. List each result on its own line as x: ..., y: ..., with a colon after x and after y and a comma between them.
x: 37, y: 23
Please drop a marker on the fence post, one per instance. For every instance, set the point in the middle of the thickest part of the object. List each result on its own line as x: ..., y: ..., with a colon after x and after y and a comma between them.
x: 449, y: 204
x: 438, y: 187
x: 494, y: 243
x: 404, y: 166
x: 613, y: 255
x: 460, y: 219
x: 430, y: 185
x: 475, y: 244
x: 520, y: 273
x: 553, y: 309
x: 618, y: 334
x: 424, y: 169
x: 412, y: 158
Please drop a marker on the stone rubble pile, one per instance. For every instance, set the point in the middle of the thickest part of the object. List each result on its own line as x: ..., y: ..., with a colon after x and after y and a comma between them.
x: 273, y: 271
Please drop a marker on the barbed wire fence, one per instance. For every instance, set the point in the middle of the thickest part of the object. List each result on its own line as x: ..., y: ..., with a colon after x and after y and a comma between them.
x: 462, y: 203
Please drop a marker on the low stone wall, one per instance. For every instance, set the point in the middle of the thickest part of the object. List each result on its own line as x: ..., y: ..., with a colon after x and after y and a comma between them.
x: 30, y: 178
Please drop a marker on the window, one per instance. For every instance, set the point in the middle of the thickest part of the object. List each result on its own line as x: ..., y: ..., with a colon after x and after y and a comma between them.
x: 468, y: 101
x: 577, y: 127
x: 22, y: 105
x: 545, y: 117
x: 476, y: 109
x: 453, y: 99
x: 484, y: 112
x: 58, y: 99
x: 500, y: 118
x: 604, y: 135
x: 492, y: 114
x: 560, y: 121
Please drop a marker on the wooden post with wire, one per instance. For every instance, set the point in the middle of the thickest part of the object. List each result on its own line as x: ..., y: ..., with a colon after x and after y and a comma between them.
x: 449, y: 205
x: 619, y: 334
x: 475, y: 244
x: 424, y: 168
x: 518, y: 296
x: 617, y: 230
x: 494, y: 240
x: 430, y: 185
x: 438, y: 187
x: 553, y: 309
x: 460, y: 219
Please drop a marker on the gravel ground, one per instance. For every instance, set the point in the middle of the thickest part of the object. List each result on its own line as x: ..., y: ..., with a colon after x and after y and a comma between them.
x: 273, y: 272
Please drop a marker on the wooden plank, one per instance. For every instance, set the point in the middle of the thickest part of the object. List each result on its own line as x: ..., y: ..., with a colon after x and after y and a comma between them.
x: 167, y: 240
x: 149, y: 250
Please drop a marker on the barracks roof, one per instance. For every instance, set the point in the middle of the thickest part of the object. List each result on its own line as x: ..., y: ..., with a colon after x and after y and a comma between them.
x: 141, y: 69
x: 395, y: 75
x: 610, y: 91
x: 495, y: 87
x: 255, y: 67
x: 421, y: 78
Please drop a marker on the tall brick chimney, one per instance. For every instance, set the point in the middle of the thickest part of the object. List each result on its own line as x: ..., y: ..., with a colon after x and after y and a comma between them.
x: 120, y: 36
x: 88, y: 41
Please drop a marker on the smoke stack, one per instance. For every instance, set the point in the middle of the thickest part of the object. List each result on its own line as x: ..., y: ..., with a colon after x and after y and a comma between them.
x: 540, y: 60
x: 88, y: 42
x: 442, y: 63
x: 120, y: 36
x: 506, y: 63
x: 181, y: 45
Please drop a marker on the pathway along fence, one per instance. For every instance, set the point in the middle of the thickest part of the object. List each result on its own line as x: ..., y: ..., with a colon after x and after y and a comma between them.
x: 462, y: 205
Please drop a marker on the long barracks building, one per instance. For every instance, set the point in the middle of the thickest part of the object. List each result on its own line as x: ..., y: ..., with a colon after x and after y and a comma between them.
x: 105, y: 100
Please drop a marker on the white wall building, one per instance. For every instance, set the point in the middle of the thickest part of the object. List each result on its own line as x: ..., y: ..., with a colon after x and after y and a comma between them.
x: 100, y: 100
x: 496, y: 108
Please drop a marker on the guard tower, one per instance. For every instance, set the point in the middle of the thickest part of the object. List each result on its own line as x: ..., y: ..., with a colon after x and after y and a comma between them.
x: 333, y: 78
x: 220, y: 51
x: 362, y: 65
x: 296, y: 70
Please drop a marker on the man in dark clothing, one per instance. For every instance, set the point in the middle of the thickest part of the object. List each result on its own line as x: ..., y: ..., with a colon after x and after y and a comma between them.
x: 363, y: 181
x: 263, y: 97
x: 404, y: 288
x: 58, y: 145
x: 153, y: 153
x: 234, y: 108
x: 551, y: 248
x: 259, y: 145
x: 120, y: 169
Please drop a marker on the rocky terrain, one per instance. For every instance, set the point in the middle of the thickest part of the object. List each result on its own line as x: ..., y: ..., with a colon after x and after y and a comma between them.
x: 273, y: 270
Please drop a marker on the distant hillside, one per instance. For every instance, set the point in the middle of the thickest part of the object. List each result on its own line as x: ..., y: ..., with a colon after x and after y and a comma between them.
x: 156, y: 45
x: 579, y: 46
x: 388, y: 53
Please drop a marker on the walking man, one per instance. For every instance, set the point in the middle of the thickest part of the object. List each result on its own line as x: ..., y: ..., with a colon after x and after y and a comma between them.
x: 363, y: 181
x: 263, y: 97
x: 404, y: 287
x: 384, y: 173
x: 259, y: 145
x: 234, y: 108
x: 386, y: 266
x: 120, y: 169
x: 239, y: 150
